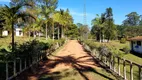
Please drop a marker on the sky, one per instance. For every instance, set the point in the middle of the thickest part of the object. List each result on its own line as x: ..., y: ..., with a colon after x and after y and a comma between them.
x: 93, y: 7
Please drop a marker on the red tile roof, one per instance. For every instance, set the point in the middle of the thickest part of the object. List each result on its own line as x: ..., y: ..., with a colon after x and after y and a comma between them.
x: 138, y: 38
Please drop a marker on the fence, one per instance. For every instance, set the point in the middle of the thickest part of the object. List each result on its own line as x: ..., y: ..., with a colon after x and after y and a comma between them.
x: 17, y: 66
x: 126, y: 69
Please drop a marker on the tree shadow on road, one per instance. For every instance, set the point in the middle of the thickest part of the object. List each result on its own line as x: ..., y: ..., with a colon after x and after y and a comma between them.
x: 80, y: 64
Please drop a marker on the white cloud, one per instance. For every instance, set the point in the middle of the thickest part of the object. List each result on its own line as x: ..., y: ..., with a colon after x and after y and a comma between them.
x: 78, y: 15
x: 4, y: 0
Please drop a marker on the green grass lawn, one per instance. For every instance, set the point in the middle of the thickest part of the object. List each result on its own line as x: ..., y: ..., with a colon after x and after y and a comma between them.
x: 5, y: 41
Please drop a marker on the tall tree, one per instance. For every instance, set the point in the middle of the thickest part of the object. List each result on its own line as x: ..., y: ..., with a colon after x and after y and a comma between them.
x: 109, y: 23
x: 97, y: 27
x: 133, y: 19
x: 12, y: 14
x: 47, y: 6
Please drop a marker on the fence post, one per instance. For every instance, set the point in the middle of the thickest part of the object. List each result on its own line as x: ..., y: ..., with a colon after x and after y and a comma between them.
x: 105, y: 60
x: 124, y: 69
x: 114, y: 64
x: 14, y: 68
x: 119, y: 66
x: 110, y: 63
x: 131, y: 70
x: 140, y: 73
x: 7, y: 70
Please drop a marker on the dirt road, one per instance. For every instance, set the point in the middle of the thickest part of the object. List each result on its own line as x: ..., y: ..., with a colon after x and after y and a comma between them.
x: 70, y: 63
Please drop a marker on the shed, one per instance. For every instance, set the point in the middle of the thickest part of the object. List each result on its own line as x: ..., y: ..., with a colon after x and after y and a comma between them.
x: 136, y: 44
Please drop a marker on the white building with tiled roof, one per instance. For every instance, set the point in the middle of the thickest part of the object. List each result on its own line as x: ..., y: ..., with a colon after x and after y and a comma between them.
x: 136, y: 44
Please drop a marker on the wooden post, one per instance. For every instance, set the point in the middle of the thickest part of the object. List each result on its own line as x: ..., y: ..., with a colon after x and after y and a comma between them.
x: 119, y: 66
x: 131, y: 71
x: 14, y: 67
x: 7, y: 70
x: 124, y: 69
x: 110, y: 63
x: 140, y: 73
x: 114, y: 64
x: 105, y: 61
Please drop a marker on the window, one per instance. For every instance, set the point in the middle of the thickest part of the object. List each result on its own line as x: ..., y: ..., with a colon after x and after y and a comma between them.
x: 133, y: 42
x: 20, y: 32
x: 139, y: 43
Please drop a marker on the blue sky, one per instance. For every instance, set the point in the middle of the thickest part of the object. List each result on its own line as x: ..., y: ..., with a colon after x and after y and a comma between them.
x: 93, y: 7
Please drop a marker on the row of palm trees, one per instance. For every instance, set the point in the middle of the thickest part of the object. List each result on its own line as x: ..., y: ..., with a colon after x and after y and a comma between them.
x: 36, y: 16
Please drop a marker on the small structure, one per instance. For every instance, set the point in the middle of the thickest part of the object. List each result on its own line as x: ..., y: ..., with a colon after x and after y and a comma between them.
x: 19, y: 32
x: 136, y: 44
x: 5, y: 33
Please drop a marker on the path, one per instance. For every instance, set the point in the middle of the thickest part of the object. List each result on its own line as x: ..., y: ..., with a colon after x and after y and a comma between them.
x: 70, y: 63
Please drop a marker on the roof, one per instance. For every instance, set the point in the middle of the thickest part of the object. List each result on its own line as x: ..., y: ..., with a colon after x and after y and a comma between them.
x: 138, y: 38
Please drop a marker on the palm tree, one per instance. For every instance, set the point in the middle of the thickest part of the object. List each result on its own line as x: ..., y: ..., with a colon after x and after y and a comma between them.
x: 109, y: 21
x: 98, y: 27
x: 48, y: 7
x: 68, y: 20
x: 12, y: 14
x: 57, y: 19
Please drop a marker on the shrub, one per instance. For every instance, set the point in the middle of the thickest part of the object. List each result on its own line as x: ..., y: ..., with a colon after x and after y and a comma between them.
x: 126, y: 49
x: 87, y: 48
x: 104, y: 50
x: 91, y: 44
x: 123, y: 40
x: 61, y: 41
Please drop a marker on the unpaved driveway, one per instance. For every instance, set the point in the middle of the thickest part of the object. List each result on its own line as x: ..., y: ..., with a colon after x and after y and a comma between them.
x: 70, y: 63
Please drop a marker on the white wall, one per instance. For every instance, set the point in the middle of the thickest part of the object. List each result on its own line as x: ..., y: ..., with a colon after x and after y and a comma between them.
x: 5, y: 33
x: 139, y: 49
x: 18, y: 32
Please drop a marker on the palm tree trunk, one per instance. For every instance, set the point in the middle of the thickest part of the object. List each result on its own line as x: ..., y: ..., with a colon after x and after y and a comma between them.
x: 39, y: 35
x: 34, y: 34
x: 46, y: 32
x: 53, y: 30
x: 13, y: 37
x: 62, y: 36
x: 29, y: 34
x: 103, y: 38
x: 58, y: 31
x: 100, y: 38
x: 0, y: 32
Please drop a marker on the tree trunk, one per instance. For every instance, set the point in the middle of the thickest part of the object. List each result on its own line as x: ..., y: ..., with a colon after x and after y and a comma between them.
x: 100, y: 38
x: 13, y: 46
x: 34, y: 34
x: 0, y: 33
x: 108, y: 39
x: 46, y: 32
x: 29, y: 34
x: 53, y: 31
x: 58, y: 32
x: 62, y: 32
x: 103, y: 38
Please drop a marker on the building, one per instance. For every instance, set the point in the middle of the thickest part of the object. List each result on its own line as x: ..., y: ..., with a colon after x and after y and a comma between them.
x: 5, y: 33
x: 136, y: 44
x: 18, y: 32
